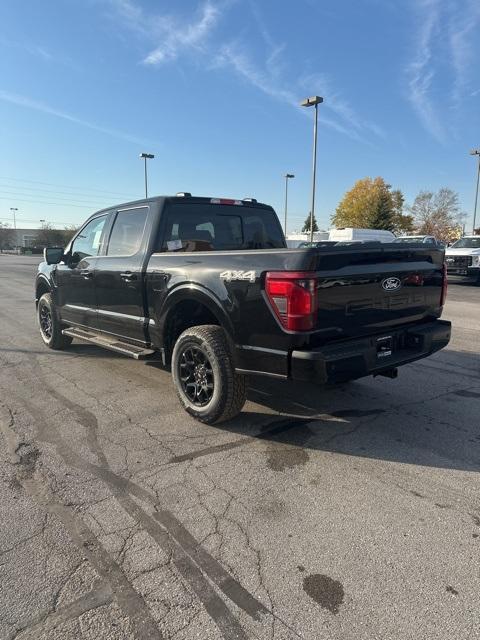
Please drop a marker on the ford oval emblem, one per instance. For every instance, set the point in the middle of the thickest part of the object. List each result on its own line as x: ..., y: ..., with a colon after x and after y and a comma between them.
x: 391, y: 284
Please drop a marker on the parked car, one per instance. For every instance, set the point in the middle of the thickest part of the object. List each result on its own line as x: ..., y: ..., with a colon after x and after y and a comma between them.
x: 321, y: 243
x: 420, y: 240
x: 294, y: 240
x: 208, y: 286
x: 463, y: 259
x: 350, y: 234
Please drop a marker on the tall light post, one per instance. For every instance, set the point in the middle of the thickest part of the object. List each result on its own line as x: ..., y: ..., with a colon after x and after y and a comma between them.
x: 314, y: 101
x: 476, y: 152
x: 146, y: 156
x: 14, y: 211
x: 287, y: 177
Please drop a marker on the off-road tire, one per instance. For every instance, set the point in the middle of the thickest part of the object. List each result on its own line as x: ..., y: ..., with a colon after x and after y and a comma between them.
x: 229, y: 388
x: 53, y: 338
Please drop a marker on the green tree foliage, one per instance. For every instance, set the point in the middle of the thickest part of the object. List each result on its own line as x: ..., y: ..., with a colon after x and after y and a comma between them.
x: 306, y: 224
x: 382, y: 213
x: 371, y: 204
x: 438, y: 214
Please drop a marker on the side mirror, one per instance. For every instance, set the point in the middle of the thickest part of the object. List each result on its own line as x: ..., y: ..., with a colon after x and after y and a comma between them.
x: 53, y: 255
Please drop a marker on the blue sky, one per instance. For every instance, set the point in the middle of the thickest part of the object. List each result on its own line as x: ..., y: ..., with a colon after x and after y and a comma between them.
x: 212, y: 87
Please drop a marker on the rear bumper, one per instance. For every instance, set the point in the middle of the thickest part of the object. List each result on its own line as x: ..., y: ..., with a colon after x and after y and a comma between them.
x: 347, y: 360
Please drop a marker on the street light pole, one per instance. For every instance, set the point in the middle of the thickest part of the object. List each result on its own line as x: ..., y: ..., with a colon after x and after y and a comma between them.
x: 14, y: 211
x: 476, y: 152
x: 146, y: 156
x: 314, y: 101
x: 287, y: 176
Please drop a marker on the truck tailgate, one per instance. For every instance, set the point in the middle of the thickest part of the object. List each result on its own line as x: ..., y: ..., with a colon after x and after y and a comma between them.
x: 366, y: 290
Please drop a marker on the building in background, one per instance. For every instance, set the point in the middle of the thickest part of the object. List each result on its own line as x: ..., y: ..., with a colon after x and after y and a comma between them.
x: 24, y: 238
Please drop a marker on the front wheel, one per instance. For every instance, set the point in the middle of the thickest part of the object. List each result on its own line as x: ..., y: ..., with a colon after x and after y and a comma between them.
x: 204, y: 375
x: 50, y: 327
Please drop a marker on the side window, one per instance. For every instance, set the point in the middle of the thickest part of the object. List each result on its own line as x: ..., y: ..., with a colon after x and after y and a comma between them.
x: 127, y: 233
x: 88, y: 241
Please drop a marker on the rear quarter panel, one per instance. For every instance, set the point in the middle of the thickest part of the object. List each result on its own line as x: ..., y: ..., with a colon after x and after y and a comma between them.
x: 351, y: 300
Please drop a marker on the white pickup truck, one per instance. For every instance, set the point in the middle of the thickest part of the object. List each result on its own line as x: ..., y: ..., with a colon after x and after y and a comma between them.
x: 463, y: 259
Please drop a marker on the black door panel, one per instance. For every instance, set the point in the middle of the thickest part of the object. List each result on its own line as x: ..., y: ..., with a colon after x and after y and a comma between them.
x: 119, y: 282
x: 75, y: 278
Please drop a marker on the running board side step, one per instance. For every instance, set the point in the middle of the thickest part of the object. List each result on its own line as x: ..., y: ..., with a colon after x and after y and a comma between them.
x: 111, y: 343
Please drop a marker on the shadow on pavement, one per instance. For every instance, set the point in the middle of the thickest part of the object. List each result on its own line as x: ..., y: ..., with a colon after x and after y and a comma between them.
x: 428, y: 418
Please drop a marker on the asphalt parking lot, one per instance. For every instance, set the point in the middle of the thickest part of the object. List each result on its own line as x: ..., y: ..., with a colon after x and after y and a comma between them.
x: 349, y: 513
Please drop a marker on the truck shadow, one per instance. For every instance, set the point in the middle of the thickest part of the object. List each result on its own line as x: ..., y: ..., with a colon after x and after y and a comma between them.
x: 428, y: 417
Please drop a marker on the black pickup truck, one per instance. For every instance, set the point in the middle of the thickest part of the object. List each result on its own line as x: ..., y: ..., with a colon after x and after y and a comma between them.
x: 208, y: 286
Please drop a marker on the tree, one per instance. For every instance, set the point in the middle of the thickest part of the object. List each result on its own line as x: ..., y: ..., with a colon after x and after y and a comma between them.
x: 67, y: 234
x: 438, y: 214
x: 7, y: 237
x: 306, y: 224
x: 402, y: 223
x: 47, y: 236
x: 382, y: 213
x: 371, y: 204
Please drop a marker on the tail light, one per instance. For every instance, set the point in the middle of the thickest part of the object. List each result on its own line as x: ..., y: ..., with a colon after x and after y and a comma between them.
x: 294, y: 298
x: 443, y: 295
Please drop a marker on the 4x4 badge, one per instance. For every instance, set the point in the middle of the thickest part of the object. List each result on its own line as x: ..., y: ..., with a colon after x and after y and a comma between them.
x: 250, y: 276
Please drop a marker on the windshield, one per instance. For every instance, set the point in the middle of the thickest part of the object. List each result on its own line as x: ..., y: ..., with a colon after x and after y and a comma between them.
x: 410, y: 239
x: 467, y: 243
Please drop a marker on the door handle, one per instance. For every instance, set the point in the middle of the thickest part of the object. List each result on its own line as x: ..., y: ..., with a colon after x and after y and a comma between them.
x: 86, y: 273
x: 128, y: 275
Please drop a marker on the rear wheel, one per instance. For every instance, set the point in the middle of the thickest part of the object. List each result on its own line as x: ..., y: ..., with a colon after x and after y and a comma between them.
x: 50, y: 327
x: 204, y: 375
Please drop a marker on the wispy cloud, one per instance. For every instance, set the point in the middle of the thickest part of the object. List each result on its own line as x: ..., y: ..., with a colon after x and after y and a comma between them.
x: 170, y: 34
x: 464, y: 30
x: 267, y: 72
x: 190, y: 37
x: 269, y: 79
x: 443, y: 60
x: 338, y: 105
x: 28, y: 103
x: 421, y: 72
x: 32, y: 49
x: 39, y: 52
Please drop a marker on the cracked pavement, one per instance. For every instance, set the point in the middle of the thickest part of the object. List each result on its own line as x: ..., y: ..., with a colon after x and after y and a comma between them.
x: 347, y: 513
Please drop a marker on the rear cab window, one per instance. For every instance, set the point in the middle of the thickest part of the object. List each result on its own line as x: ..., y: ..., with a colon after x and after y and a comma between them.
x: 217, y: 227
